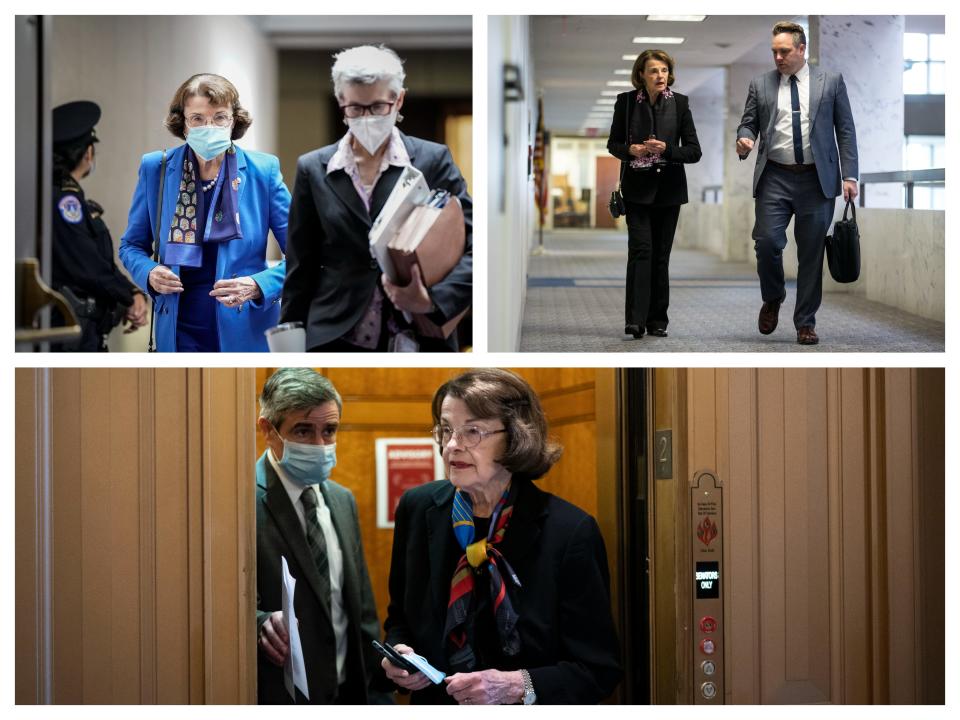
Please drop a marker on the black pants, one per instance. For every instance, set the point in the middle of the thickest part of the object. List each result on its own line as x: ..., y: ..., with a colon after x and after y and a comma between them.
x: 92, y: 338
x: 650, y: 230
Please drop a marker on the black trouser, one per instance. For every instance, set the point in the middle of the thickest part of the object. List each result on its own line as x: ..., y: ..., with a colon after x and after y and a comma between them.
x: 650, y: 230
x: 93, y: 333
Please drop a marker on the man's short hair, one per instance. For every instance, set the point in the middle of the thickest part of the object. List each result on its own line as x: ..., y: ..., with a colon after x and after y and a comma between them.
x: 799, y: 36
x: 292, y: 389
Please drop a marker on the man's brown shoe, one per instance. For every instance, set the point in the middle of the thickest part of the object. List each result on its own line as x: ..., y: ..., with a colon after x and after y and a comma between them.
x: 807, y: 336
x: 769, y: 314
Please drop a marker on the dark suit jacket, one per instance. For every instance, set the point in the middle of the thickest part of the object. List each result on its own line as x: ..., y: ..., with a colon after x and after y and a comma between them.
x: 330, y: 273
x: 569, y: 645
x: 661, y: 184
x: 279, y: 533
x: 830, y: 115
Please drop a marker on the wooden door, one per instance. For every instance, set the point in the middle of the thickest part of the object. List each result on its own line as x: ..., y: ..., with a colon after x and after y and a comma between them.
x: 834, y: 515
x: 135, y: 536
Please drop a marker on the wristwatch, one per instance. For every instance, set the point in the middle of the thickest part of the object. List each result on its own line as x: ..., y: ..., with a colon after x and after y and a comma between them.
x: 529, y: 695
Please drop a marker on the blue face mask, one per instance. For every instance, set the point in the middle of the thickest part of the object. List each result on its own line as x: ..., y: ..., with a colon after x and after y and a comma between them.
x: 305, y: 464
x: 209, y: 141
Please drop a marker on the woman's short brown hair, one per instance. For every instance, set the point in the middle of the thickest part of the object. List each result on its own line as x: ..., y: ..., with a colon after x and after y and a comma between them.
x: 500, y: 394
x: 219, y: 91
x: 638, y: 65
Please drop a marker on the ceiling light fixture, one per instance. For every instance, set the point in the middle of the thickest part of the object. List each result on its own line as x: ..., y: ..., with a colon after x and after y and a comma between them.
x: 676, y: 18
x: 657, y: 40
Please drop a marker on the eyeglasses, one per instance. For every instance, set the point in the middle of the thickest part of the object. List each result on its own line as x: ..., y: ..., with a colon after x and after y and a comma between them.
x: 377, y: 108
x: 220, y: 120
x: 469, y: 435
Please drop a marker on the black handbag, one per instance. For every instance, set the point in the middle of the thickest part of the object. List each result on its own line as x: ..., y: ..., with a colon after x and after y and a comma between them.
x: 617, y: 206
x: 843, y: 247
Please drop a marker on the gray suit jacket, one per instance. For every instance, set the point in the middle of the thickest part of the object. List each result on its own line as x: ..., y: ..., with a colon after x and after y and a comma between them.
x: 279, y: 533
x: 831, y: 126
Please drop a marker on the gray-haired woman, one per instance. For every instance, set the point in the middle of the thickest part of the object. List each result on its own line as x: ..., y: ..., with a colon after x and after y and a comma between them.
x: 498, y: 584
x: 333, y: 285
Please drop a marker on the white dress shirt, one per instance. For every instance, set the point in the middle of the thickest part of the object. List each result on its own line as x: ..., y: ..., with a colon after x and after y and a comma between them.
x: 334, y: 558
x: 781, y: 146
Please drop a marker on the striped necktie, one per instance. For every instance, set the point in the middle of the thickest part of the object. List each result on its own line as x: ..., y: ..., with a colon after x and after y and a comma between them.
x: 316, y: 540
x: 795, y: 114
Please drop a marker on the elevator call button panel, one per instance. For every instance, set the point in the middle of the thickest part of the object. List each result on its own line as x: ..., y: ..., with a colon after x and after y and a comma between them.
x: 706, y: 586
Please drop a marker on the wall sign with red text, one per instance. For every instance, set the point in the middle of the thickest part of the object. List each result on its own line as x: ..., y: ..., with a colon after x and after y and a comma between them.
x: 403, y: 463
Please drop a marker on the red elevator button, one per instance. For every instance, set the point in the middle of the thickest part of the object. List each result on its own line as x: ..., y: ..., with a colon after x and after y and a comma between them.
x: 708, y: 624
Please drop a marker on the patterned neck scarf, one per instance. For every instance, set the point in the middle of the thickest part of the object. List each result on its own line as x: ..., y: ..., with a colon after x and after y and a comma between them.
x: 461, y: 618
x: 223, y: 222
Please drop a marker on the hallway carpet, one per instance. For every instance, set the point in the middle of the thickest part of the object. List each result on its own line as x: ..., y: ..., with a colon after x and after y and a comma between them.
x: 575, y: 298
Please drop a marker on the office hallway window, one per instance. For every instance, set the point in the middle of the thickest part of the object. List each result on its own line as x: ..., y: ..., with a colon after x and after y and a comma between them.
x: 922, y: 152
x: 924, y: 67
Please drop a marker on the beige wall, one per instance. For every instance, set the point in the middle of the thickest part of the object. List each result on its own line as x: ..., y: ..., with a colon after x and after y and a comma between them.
x: 833, y: 504
x: 131, y: 66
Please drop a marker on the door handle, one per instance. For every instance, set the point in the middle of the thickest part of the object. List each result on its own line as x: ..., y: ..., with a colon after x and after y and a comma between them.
x: 33, y: 294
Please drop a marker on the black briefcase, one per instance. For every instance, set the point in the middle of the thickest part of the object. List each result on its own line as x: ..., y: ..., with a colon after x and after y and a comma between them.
x: 843, y: 247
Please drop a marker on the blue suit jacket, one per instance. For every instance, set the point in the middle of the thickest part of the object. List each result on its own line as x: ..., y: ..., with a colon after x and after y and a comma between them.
x: 831, y: 126
x: 264, y: 204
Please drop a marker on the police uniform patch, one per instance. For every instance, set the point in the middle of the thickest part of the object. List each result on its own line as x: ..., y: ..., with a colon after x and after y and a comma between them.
x: 71, y: 209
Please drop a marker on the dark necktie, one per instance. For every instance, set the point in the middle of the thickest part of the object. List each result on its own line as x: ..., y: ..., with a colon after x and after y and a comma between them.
x: 795, y: 107
x: 316, y: 540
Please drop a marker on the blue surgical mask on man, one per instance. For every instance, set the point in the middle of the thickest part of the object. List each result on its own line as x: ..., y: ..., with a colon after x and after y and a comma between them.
x: 208, y: 141
x: 307, y: 464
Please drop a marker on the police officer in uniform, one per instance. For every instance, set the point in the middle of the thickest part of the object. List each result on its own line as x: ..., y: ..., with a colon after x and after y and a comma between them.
x: 84, y: 270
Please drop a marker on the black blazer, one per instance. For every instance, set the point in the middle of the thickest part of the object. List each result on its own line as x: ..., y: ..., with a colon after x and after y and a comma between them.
x: 330, y: 273
x: 658, y: 185
x: 279, y: 533
x: 569, y: 645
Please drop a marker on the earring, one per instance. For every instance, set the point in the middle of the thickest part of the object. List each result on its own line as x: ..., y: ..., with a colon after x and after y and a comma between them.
x: 399, y: 118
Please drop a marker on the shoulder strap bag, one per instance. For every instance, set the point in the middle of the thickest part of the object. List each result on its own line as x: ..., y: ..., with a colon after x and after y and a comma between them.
x: 151, y: 346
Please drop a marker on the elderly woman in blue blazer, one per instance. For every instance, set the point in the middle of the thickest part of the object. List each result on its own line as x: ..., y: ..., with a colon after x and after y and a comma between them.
x: 212, y: 287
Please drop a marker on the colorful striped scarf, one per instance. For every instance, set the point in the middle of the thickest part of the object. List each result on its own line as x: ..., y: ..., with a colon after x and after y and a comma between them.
x: 479, y: 554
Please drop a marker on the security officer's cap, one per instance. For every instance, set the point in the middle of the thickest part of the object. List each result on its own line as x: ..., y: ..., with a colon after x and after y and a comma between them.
x: 74, y: 121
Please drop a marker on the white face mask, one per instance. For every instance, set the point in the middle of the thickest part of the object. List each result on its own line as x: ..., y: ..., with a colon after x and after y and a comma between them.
x: 371, y: 131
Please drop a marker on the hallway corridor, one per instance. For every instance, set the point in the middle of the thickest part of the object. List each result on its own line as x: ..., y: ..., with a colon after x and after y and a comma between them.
x: 575, y: 298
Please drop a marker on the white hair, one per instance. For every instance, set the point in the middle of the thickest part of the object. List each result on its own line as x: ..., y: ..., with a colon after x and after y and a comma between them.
x: 366, y: 65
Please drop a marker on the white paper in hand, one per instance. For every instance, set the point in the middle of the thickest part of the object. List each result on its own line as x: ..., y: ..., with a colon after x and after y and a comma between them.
x: 294, y: 671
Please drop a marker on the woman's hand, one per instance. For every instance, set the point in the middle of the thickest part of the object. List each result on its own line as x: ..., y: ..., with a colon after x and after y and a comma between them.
x: 235, y: 292
x: 164, y: 280
x: 487, y: 687
x: 655, y: 147
x: 412, y: 298
x: 638, y: 150
x: 417, y: 681
x: 136, y: 315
